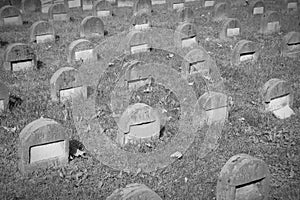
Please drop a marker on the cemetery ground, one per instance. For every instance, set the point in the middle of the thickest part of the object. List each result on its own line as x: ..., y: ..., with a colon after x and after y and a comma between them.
x: 248, y: 129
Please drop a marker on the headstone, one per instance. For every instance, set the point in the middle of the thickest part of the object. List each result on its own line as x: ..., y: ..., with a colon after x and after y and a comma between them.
x: 19, y: 57
x: 102, y: 8
x: 91, y: 26
x: 4, y: 96
x: 209, y: 3
x: 134, y: 191
x: 176, y: 4
x: 292, y: 6
x: 81, y: 50
x: 277, y: 98
x: 231, y: 28
x: 290, y: 45
x: 185, y: 14
x: 65, y: 85
x: 185, y: 36
x: 134, y: 80
x: 58, y: 12
x: 42, y: 143
x: 4, y: 3
x: 42, y: 32
x: 10, y: 15
x: 257, y: 7
x: 270, y: 23
x: 137, y: 42
x: 145, y: 5
x: 124, y: 3
x: 74, y: 4
x: 221, y: 11
x: 141, y: 20
x: 29, y: 6
x: 244, y: 177
x: 244, y: 51
x: 87, y: 4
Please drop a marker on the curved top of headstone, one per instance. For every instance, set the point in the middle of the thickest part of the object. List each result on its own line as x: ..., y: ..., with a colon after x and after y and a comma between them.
x: 9, y: 11
x: 42, y: 28
x: 274, y: 88
x: 16, y: 51
x: 145, y: 5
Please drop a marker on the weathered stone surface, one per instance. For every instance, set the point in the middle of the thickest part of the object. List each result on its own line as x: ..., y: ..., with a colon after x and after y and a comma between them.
x: 141, y: 20
x: 290, y: 45
x: 243, y: 51
x: 81, y: 50
x: 29, y: 6
x: 58, y: 12
x: 270, y: 23
x: 42, y: 143
x: 185, y: 14
x: 4, y: 96
x: 10, y: 15
x: 41, y: 32
x: 91, y: 26
x: 185, y: 36
x: 221, y: 11
x: 256, y: 8
x: 243, y: 177
x: 102, y: 8
x: 230, y: 29
x: 135, y: 42
x: 145, y: 5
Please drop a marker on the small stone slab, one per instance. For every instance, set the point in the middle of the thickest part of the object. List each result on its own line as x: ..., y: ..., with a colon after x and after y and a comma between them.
x: 136, y: 42
x: 141, y: 20
x: 42, y: 32
x: 4, y: 97
x: 145, y: 5
x: 81, y: 50
x: 74, y: 4
x: 87, y: 4
x: 19, y: 57
x: 290, y: 45
x: 257, y: 8
x: 175, y: 4
x: 244, y: 177
x: 159, y: 2
x: 124, y: 3
x: 134, y: 191
x: 292, y: 6
x: 221, y: 11
x: 42, y: 143
x: 185, y: 36
x: 245, y: 51
x: 58, y: 12
x: 185, y: 14
x: 91, y: 26
x: 231, y: 28
x: 10, y: 15
x: 29, y: 6
x: 65, y: 85
x: 102, y: 8
x: 277, y: 98
x: 270, y: 23
x: 209, y: 3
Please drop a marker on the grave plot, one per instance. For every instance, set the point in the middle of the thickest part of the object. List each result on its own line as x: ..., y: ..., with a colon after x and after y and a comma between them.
x: 290, y: 45
x: 221, y: 11
x: 87, y: 4
x: 4, y: 97
x: 19, y: 57
x: 58, y: 12
x: 257, y: 8
x: 136, y: 42
x: 245, y: 51
x: 175, y: 4
x: 243, y: 177
x: 29, y: 6
x: 10, y: 15
x: 134, y: 191
x: 65, y: 85
x: 231, y: 28
x: 185, y: 36
x: 185, y: 14
x: 277, y: 98
x: 42, y: 32
x: 145, y: 5
x: 102, y: 8
x: 91, y: 26
x: 81, y: 50
x: 73, y: 4
x: 4, y: 3
x: 270, y: 23
x: 42, y: 143
x: 141, y: 20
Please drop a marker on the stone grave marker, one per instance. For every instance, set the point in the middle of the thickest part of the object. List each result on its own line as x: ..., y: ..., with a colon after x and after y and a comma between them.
x: 209, y: 3
x: 124, y: 3
x: 102, y: 8
x: 245, y: 51
x: 277, y: 98
x: 185, y: 36
x: 270, y: 23
x: 42, y: 143
x: 243, y: 177
x: 29, y: 6
x: 137, y: 42
x: 134, y: 191
x: 290, y: 45
x: 4, y: 3
x: 185, y: 14
x: 231, y: 28
x: 141, y: 20
x: 42, y: 32
x: 158, y: 2
x: 74, y: 4
x: 87, y: 4
x: 291, y: 6
x: 175, y: 4
x: 257, y: 7
x: 145, y: 5
x: 138, y: 123
x: 91, y: 26
x: 81, y: 50
x: 10, y: 15
x: 65, y: 85
x: 4, y: 96
x: 18, y: 57
x: 58, y: 12
x: 221, y: 11
x: 134, y: 79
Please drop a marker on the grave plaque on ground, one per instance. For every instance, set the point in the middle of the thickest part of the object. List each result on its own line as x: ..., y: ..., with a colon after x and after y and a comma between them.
x: 42, y: 143
x: 175, y: 4
x: 141, y: 20
x: 244, y: 177
x: 4, y: 96
x: 290, y: 45
x: 74, y: 4
x: 277, y: 98
x: 270, y: 23
x: 137, y: 42
x: 10, y: 15
x: 185, y: 36
x: 102, y: 8
x: 231, y: 28
x: 145, y: 5
x: 18, y: 57
x: 58, y: 12
x: 221, y: 11
x: 185, y: 14
x: 91, y: 26
x: 65, y: 85
x: 244, y: 51
x: 29, y: 6
x: 87, y: 4
x: 81, y: 50
x: 257, y: 7
x: 42, y: 32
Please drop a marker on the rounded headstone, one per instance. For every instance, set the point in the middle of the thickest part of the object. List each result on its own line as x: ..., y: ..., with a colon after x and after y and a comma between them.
x: 270, y: 23
x: 10, y: 15
x: 58, y: 12
x: 136, y: 41
x: 185, y: 14
x: 245, y: 50
x: 81, y: 50
x: 145, y: 5
x: 102, y: 8
x: 185, y: 36
x: 221, y: 11
x: 230, y: 29
x: 141, y: 20
x: 4, y: 96
x: 290, y: 45
x: 91, y: 26
x: 41, y: 32
x: 257, y: 8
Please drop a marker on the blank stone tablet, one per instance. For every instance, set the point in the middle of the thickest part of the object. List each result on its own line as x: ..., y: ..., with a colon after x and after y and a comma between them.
x: 41, y: 32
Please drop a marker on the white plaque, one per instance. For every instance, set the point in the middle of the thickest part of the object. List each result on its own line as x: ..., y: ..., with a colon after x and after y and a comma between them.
x: 190, y: 0
x: 87, y: 6
x: 199, y: 68
x: 84, y: 55
x: 22, y: 65
x: 273, y: 26
x: 142, y: 26
x: 12, y: 20
x: 278, y: 103
x: 1, y: 104
x: 216, y: 115
x: 292, y: 5
x: 69, y: 94
x: 60, y: 17
x: 44, y: 38
x: 209, y: 3
x: 47, y: 151
x: 74, y: 3
x: 246, y: 57
x: 158, y: 2
x: 140, y: 48
x: 284, y: 112
x: 188, y: 42
x: 103, y: 13
x: 178, y: 5
x: 258, y: 10
x: 125, y: 3
x: 233, y: 32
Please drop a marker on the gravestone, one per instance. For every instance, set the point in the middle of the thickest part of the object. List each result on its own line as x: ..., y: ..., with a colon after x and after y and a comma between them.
x: 81, y: 50
x: 270, y: 23
x: 4, y: 96
x: 185, y: 14
x: 209, y: 3
x: 124, y: 3
x: 290, y: 45
x: 137, y: 42
x: 10, y: 15
x: 29, y: 6
x: 277, y: 98
x: 231, y: 28
x: 4, y: 3
x: 134, y: 80
x: 42, y: 143
x: 91, y: 26
x: 58, y: 12
x: 87, y: 4
x: 257, y: 8
x: 65, y: 85
x: 18, y: 57
x: 244, y: 177
x: 141, y: 20
x: 138, y: 123
x: 74, y: 4
x: 221, y: 11
x: 245, y: 51
x: 42, y: 32
x: 175, y: 4
x: 291, y: 6
x: 102, y: 8
x: 145, y: 5
x: 185, y: 36
x: 134, y: 191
